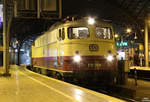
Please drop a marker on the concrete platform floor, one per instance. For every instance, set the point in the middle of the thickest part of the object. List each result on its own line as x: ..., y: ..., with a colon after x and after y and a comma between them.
x: 143, y: 86
x: 142, y: 90
x: 26, y: 86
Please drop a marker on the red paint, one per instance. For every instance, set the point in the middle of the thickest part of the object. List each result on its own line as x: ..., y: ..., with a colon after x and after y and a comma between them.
x: 87, y: 63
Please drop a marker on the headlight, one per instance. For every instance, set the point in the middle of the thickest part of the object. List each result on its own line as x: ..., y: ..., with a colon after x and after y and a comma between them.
x: 91, y: 21
x: 110, y: 58
x: 77, y: 58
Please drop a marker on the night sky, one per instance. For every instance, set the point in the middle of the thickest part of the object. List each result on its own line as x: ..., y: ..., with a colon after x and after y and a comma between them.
x: 100, y: 8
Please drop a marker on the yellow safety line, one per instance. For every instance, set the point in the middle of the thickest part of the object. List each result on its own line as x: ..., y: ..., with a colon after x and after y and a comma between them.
x: 51, y: 88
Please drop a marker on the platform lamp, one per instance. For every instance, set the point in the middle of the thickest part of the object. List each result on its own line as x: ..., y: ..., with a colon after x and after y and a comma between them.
x: 128, y: 30
x: 135, y: 36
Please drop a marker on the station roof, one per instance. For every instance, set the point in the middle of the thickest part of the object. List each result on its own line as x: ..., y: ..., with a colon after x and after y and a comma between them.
x: 121, y: 12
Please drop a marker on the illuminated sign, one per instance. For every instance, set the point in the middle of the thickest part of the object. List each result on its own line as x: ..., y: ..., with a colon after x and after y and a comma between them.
x: 1, y: 14
x: 122, y: 44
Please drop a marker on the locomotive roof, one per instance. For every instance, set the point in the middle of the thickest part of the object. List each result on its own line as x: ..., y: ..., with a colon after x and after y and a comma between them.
x: 81, y: 22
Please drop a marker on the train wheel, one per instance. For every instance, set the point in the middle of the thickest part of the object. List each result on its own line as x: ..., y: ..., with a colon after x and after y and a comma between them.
x: 32, y: 68
x: 76, y: 81
x: 58, y: 76
x: 39, y: 70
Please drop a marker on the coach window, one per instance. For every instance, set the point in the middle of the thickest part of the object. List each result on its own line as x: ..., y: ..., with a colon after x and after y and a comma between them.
x: 63, y: 34
x: 59, y: 34
x: 78, y: 33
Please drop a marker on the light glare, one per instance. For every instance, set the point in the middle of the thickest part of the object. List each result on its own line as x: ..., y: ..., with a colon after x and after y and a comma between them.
x: 142, y: 30
x: 116, y: 36
x: 91, y: 21
x: 129, y: 30
x: 110, y: 58
x: 77, y: 58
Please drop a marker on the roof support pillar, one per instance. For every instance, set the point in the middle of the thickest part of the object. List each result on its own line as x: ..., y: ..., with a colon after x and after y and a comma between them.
x: 5, y: 42
x: 146, y: 44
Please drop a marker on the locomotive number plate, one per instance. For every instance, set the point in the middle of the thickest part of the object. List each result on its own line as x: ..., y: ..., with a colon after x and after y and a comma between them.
x: 94, y: 65
x: 93, y: 47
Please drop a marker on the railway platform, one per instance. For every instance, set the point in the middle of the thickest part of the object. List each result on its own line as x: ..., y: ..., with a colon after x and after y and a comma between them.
x: 135, y: 82
x: 141, y: 72
x: 140, y: 91
x: 26, y: 86
x: 140, y: 68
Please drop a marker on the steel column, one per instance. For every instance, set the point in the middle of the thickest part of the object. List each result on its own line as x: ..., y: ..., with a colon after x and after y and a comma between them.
x: 5, y: 42
x: 146, y: 44
x: 38, y: 8
x: 60, y: 9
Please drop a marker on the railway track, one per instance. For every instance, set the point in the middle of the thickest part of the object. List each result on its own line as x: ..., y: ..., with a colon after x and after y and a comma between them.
x: 115, y: 91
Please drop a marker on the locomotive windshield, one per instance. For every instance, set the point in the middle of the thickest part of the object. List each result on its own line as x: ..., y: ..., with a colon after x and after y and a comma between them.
x: 103, y: 32
x: 78, y: 33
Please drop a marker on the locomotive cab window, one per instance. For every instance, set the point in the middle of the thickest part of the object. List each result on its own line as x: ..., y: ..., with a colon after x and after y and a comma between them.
x: 78, y: 32
x: 104, y: 32
x: 61, y: 34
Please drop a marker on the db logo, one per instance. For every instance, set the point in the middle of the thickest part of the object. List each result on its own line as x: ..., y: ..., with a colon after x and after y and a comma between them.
x: 93, y: 47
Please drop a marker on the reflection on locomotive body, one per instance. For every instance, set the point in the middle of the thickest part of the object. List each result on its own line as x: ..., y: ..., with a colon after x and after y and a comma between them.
x: 77, y: 50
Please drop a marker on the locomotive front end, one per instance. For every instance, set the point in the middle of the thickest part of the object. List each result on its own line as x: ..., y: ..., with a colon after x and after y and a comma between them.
x: 92, y: 52
x: 101, y: 68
